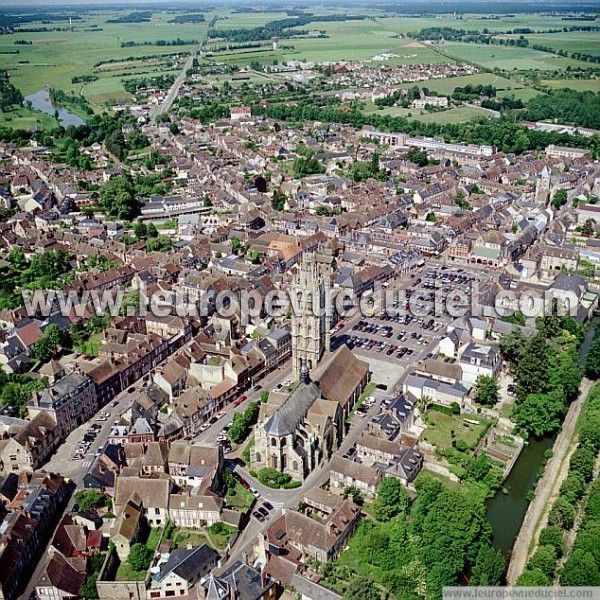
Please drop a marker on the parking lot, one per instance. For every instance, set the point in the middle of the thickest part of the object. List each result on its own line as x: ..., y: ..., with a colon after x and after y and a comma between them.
x: 398, y: 337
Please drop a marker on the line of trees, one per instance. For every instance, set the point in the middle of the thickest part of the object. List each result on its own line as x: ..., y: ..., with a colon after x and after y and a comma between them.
x: 505, y: 134
x: 547, y: 371
x: 583, y: 563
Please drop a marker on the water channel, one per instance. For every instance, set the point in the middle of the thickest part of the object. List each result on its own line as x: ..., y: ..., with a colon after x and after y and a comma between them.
x: 506, y: 511
x: 41, y: 101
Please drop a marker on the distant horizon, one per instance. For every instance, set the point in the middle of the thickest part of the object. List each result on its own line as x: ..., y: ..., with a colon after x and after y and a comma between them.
x: 448, y: 5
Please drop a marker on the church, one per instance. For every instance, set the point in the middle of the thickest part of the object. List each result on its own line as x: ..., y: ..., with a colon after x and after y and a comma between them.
x: 300, y: 430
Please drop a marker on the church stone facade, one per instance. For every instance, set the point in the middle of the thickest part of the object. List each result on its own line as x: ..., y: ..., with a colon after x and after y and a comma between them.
x: 299, y: 431
x: 311, y: 321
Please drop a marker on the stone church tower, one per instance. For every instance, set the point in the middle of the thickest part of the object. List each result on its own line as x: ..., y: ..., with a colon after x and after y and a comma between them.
x: 311, y: 308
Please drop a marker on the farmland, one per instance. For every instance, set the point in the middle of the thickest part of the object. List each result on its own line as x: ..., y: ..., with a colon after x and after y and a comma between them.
x: 90, y: 59
x: 581, y: 85
x: 508, y: 58
x: 55, y: 57
x: 573, y: 41
x: 506, y: 87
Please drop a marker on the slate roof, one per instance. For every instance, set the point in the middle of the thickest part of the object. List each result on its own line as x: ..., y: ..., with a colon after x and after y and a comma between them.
x: 287, y: 417
x: 184, y: 562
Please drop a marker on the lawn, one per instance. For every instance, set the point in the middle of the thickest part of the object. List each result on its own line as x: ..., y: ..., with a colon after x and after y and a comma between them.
x: 242, y: 500
x: 126, y: 572
x: 217, y: 539
x: 460, y: 114
x: 220, y: 534
x: 443, y: 429
x: 181, y: 539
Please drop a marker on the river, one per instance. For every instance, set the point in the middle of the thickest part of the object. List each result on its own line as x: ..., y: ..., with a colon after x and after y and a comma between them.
x: 506, y: 512
x: 41, y: 101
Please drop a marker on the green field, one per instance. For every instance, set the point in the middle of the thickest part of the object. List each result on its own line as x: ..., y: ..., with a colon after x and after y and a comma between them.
x: 505, y: 87
x: 536, y: 22
x: 508, y: 58
x: 25, y: 118
x: 572, y: 41
x: 460, y: 114
x: 581, y: 85
x: 56, y: 56
x: 90, y: 48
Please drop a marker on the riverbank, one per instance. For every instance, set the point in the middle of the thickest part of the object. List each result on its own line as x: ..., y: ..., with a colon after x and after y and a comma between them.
x: 548, y: 486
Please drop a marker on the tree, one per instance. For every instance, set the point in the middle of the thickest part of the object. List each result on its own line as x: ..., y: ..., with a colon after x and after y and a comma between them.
x: 573, y: 487
x: 392, y: 499
x: 559, y: 199
x: 140, y: 230
x: 140, y: 557
x: 16, y: 257
x: 532, y: 369
x: 162, y: 243
x: 90, y: 500
x: 88, y: 587
x: 48, y: 345
x: 54, y: 335
x: 137, y: 140
x: 264, y: 396
x: 540, y: 414
x: 355, y: 493
x: 544, y: 559
x: 580, y: 570
x: 361, y: 588
x: 513, y: 346
x: 562, y: 514
x: 118, y: 198
x: 552, y: 536
x: 489, y: 567
x: 235, y: 243
x: 568, y: 373
x: 583, y: 462
x: 534, y: 578
x: 461, y: 201
x: 278, y: 201
x: 592, y: 362
x: 486, y: 390
x: 151, y: 230
x: 479, y: 467
x: 419, y: 157
x: 588, y: 228
x: 322, y: 211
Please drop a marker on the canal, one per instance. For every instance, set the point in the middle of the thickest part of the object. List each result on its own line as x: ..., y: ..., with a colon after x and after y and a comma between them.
x: 506, y: 511
x: 41, y: 101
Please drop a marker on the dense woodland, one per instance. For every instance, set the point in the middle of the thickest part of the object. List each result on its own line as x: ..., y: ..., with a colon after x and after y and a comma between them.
x: 10, y: 96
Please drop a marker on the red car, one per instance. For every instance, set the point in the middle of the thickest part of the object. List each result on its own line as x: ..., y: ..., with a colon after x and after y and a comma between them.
x: 240, y: 400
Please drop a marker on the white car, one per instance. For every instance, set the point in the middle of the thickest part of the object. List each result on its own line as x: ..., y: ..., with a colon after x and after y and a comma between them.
x: 254, y: 493
x: 204, y: 427
x: 220, y: 414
